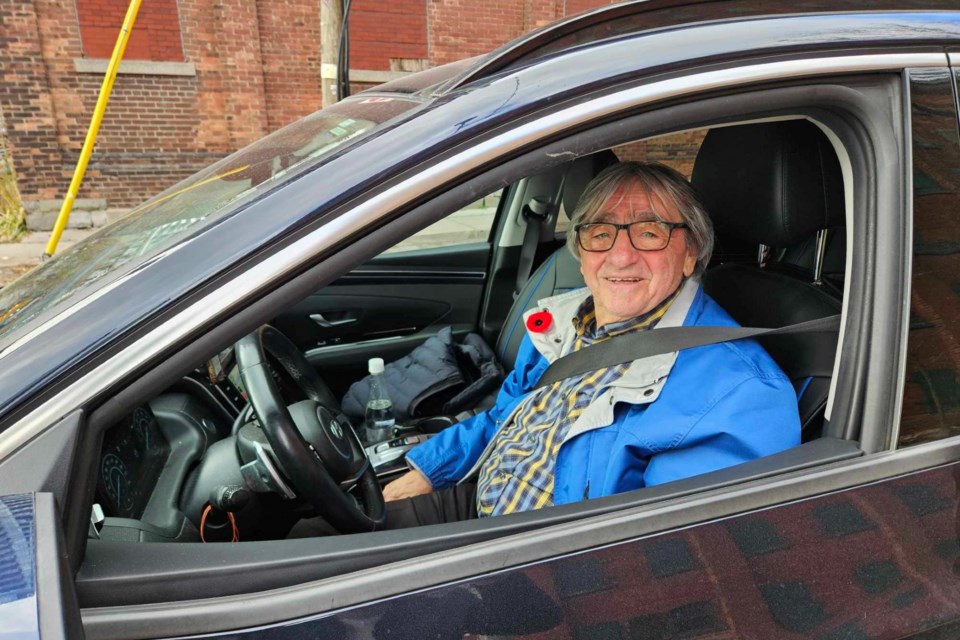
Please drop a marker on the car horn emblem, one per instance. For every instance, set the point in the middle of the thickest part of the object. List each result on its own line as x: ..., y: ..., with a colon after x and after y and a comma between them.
x: 337, y: 429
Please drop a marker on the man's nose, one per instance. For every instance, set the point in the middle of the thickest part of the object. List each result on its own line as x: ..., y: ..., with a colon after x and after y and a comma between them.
x: 622, y: 252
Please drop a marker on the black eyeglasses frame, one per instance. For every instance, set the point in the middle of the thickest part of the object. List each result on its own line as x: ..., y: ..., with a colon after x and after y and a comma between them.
x: 626, y: 227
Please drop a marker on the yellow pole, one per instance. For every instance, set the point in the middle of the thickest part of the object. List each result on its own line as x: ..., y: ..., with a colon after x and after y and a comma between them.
x: 91, y: 139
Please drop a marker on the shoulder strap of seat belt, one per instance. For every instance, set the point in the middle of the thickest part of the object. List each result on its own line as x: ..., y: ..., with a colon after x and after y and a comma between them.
x: 535, y: 213
x: 642, y: 344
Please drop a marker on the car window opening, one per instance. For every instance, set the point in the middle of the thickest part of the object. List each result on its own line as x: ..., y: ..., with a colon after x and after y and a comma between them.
x: 198, y: 445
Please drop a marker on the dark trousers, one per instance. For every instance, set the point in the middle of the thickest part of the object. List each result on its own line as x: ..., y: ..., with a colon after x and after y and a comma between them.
x: 446, y: 505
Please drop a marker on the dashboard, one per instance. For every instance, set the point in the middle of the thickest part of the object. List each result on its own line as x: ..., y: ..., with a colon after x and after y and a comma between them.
x: 133, y: 456
x: 160, y: 465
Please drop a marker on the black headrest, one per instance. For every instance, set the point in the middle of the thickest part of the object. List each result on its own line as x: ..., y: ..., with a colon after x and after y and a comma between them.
x: 580, y: 173
x: 772, y: 183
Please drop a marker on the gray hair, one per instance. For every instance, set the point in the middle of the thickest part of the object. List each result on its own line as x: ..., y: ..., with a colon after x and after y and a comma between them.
x: 669, y: 185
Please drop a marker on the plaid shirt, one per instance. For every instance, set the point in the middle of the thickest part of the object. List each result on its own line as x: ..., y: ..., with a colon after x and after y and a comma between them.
x: 518, y: 474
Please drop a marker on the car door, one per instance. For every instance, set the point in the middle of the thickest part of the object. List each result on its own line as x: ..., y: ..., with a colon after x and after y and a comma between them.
x: 865, y: 548
x: 795, y: 546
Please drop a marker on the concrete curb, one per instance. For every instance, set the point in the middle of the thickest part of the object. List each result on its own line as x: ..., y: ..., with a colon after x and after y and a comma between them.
x: 87, y: 214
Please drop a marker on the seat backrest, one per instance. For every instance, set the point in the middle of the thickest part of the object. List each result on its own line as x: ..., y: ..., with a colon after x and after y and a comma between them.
x: 560, y: 272
x: 775, y: 184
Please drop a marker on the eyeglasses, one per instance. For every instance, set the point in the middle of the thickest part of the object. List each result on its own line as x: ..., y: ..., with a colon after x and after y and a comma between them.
x: 645, y: 235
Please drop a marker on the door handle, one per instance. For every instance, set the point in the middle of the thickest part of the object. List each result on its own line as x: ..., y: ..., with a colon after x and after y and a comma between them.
x: 328, y: 324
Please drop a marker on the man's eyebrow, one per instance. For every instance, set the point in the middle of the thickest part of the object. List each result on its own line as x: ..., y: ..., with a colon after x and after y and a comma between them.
x: 637, y: 216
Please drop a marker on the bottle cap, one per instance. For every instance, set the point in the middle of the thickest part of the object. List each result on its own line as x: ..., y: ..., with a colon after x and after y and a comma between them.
x: 375, y: 366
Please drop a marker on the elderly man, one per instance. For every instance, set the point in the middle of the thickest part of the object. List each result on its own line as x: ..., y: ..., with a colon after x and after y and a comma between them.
x: 642, y: 239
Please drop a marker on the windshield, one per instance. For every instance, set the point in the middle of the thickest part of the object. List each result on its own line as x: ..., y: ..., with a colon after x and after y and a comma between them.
x: 192, y: 204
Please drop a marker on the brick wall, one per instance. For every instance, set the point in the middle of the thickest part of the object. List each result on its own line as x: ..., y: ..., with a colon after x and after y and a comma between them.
x: 26, y: 96
x: 459, y: 29
x: 253, y: 66
x: 257, y: 68
x: 578, y: 6
x: 290, y: 46
x: 677, y: 151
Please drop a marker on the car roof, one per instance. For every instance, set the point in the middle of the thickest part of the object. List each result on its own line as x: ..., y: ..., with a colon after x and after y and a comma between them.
x: 637, y: 17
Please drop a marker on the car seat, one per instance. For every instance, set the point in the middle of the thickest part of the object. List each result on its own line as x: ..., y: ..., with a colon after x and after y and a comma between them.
x: 777, y: 185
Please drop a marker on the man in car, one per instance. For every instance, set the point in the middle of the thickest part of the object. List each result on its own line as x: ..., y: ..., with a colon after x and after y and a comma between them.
x: 642, y: 239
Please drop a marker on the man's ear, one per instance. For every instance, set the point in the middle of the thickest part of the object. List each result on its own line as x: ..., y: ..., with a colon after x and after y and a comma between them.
x: 690, y: 262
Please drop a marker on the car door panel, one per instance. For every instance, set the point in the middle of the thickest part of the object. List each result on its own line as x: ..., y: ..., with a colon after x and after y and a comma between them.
x: 877, y: 561
x: 351, y: 314
x: 380, y: 301
x: 391, y: 295
x: 386, y: 308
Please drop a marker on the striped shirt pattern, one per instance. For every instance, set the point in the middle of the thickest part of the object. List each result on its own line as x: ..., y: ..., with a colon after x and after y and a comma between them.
x: 518, y: 474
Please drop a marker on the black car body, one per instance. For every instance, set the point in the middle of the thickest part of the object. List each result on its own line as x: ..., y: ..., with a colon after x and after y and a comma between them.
x: 852, y: 535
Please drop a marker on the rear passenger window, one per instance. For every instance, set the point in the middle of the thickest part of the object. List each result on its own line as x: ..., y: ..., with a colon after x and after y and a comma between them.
x: 931, y: 402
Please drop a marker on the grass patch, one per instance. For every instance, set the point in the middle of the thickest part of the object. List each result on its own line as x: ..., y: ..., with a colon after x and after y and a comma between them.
x: 13, y: 220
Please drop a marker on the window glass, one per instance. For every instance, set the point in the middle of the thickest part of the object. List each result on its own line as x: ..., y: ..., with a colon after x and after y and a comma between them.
x: 468, y: 225
x: 931, y: 402
x: 192, y: 205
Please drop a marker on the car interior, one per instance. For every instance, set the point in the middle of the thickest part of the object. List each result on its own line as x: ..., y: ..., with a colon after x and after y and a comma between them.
x: 194, y: 465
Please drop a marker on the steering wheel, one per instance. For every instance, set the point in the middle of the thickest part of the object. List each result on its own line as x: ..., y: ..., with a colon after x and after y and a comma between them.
x: 319, y: 454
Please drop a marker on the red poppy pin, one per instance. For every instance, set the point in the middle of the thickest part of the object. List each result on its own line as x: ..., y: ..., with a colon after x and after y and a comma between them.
x: 539, y: 322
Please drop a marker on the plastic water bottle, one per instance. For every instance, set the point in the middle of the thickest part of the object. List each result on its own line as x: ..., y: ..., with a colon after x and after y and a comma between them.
x: 379, y: 420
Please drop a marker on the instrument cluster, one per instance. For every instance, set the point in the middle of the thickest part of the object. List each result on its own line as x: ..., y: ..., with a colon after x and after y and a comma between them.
x: 133, y: 456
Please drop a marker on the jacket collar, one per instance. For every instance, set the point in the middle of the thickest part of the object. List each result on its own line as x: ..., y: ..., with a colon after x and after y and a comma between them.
x: 561, y: 333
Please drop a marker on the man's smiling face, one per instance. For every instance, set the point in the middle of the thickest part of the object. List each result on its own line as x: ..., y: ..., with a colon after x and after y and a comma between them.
x: 625, y: 282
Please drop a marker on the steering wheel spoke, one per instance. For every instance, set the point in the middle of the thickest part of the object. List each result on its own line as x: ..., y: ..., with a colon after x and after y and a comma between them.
x: 262, y: 475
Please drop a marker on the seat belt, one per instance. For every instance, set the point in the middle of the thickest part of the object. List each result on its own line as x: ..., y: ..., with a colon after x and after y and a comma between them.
x: 535, y: 214
x: 628, y: 347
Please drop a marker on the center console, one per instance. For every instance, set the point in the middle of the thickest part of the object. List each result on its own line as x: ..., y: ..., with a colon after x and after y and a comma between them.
x: 389, y: 457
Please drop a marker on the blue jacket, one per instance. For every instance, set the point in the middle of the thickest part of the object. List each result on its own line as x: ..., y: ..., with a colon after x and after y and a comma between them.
x: 669, y: 417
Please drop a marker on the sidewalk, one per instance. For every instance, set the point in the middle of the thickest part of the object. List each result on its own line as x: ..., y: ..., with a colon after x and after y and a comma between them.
x: 16, y: 258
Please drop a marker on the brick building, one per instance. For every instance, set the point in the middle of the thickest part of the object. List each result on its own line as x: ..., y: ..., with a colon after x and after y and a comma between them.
x: 202, y: 78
